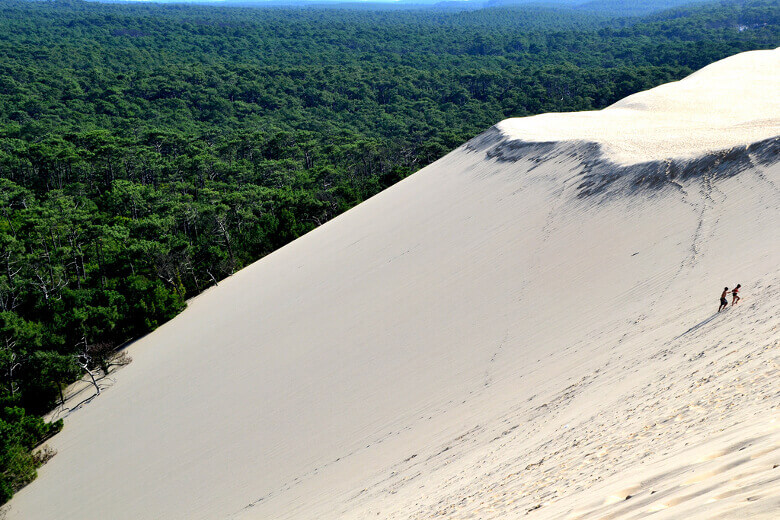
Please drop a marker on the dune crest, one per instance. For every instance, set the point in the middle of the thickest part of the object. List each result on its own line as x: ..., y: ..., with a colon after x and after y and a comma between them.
x: 485, y: 339
x: 733, y: 102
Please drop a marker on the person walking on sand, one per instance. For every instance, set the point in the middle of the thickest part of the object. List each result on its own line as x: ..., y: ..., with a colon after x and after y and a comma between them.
x: 735, y: 295
x: 723, y: 301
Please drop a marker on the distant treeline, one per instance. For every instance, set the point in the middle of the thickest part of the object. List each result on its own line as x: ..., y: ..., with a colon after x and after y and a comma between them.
x: 148, y: 151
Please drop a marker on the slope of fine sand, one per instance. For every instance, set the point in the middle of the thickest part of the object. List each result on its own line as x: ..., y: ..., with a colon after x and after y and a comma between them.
x: 732, y: 102
x: 490, y: 338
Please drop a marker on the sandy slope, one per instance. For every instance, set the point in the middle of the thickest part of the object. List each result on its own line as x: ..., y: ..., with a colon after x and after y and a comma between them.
x: 728, y: 103
x: 489, y: 338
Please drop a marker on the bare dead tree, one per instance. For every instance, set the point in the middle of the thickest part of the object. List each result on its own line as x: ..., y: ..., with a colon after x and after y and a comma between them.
x: 13, y: 363
x: 103, y: 354
x: 221, y: 222
x: 85, y: 360
x: 8, y: 287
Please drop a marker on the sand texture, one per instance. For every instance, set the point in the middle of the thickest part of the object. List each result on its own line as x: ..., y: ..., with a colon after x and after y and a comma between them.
x: 524, y: 329
x: 732, y: 102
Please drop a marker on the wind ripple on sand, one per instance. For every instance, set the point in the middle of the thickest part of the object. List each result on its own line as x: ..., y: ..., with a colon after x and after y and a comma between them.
x: 704, y: 445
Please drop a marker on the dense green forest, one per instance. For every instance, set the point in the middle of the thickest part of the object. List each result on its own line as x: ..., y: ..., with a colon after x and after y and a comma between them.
x: 148, y: 151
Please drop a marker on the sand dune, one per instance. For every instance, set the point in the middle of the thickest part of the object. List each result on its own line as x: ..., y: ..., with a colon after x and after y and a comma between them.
x: 525, y: 327
x: 729, y: 103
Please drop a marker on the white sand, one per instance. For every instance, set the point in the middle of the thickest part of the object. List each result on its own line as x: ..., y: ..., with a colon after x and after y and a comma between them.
x: 731, y: 102
x: 475, y: 342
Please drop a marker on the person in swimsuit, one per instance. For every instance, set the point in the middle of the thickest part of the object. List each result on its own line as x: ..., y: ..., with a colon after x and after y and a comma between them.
x: 735, y: 295
x: 723, y: 301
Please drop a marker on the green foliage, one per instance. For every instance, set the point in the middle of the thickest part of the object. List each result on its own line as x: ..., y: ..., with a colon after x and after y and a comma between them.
x: 19, y: 434
x: 148, y: 151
